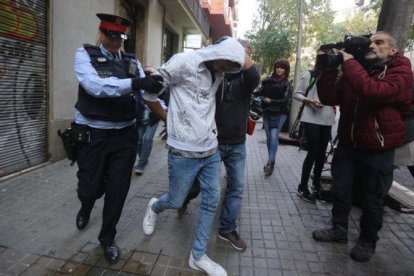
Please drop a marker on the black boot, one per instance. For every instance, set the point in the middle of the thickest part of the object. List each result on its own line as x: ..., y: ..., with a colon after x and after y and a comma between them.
x: 363, y: 250
x: 272, y: 166
x: 337, y: 234
x: 268, y: 169
x: 82, y: 218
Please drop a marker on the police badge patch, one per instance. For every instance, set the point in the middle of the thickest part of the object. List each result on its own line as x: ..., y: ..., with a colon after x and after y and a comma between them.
x: 132, y: 68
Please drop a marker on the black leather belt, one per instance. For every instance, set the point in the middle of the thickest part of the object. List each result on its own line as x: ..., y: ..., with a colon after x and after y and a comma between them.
x: 90, y: 132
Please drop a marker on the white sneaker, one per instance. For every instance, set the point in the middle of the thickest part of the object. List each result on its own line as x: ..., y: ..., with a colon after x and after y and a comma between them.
x: 150, y: 218
x: 206, y: 265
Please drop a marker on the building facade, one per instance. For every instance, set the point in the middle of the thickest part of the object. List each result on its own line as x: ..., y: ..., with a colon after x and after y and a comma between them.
x: 38, y: 39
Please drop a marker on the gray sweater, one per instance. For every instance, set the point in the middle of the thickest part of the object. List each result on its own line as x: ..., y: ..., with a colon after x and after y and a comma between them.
x: 311, y: 114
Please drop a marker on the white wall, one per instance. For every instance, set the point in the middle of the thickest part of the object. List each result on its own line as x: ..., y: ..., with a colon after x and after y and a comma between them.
x: 154, y: 31
x: 72, y: 24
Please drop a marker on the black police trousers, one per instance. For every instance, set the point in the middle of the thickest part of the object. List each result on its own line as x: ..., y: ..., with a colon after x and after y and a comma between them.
x: 369, y: 174
x: 105, y: 167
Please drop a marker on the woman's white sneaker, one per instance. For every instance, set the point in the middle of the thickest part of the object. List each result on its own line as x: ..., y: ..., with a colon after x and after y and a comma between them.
x: 207, y: 265
x: 150, y: 218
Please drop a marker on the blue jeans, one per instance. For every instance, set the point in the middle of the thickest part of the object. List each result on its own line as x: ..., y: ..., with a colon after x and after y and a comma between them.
x: 182, y: 174
x: 146, y: 135
x: 233, y: 157
x: 272, y: 133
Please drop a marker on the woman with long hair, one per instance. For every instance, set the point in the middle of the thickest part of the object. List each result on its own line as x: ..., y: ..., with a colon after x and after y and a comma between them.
x: 317, y: 120
x: 276, y: 94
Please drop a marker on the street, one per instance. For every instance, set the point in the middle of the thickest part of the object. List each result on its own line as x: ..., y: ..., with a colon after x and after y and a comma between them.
x: 38, y: 234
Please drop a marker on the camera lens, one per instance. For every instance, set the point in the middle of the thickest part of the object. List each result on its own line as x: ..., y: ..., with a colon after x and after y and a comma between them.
x: 328, y: 61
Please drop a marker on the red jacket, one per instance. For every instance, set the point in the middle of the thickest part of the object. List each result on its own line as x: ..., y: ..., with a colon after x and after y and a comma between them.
x: 372, y: 105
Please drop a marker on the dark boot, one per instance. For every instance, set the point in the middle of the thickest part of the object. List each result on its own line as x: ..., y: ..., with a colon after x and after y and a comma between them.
x: 82, y: 218
x: 363, y: 250
x: 271, y: 167
x: 337, y: 234
x: 268, y: 169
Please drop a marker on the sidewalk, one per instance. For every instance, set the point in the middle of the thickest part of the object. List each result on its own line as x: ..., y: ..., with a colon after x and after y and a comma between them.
x: 38, y: 234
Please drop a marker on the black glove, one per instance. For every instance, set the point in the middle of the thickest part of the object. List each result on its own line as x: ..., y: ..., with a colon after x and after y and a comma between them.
x: 152, y: 83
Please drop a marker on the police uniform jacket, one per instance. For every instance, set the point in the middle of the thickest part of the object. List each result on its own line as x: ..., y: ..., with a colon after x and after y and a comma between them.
x: 105, y: 97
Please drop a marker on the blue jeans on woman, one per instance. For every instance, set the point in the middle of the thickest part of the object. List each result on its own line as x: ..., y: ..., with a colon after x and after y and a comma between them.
x: 182, y: 174
x: 146, y: 135
x: 272, y: 125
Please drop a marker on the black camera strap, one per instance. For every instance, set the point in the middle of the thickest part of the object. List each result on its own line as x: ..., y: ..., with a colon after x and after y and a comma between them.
x: 312, y: 82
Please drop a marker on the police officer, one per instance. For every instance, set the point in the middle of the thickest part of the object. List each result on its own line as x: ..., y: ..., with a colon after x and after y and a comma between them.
x: 109, y: 88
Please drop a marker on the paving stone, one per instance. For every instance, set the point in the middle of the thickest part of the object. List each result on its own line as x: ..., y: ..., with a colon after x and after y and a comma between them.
x: 44, y: 265
x: 82, y: 269
x: 68, y: 268
x: 79, y: 257
x: 16, y: 269
x: 38, y: 235
x: 159, y: 270
x: 287, y: 264
x: 246, y: 261
x: 92, y: 260
x: 97, y: 271
x: 247, y: 271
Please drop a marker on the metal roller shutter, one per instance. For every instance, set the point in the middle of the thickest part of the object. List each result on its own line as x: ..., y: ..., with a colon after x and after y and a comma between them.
x: 23, y: 85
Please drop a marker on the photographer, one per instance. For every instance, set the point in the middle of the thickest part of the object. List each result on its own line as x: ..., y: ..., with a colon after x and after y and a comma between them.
x: 373, y: 103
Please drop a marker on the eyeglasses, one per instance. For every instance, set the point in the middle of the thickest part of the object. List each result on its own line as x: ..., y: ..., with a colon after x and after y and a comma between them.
x: 114, y: 35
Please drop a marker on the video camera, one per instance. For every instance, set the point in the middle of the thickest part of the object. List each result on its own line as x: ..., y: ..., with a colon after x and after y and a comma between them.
x: 358, y: 46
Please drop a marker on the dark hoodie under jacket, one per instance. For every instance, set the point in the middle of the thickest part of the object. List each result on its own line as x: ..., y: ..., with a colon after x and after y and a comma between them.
x: 232, y: 110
